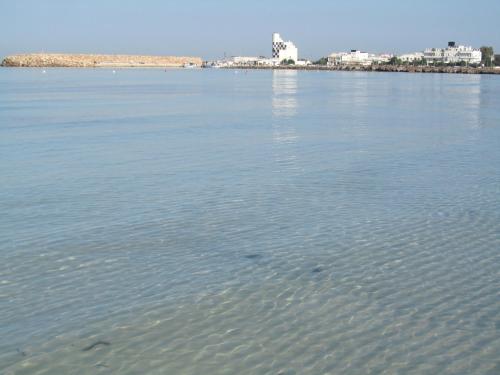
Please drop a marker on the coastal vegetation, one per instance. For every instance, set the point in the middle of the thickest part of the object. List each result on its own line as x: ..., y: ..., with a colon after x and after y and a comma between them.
x: 488, y: 56
x: 321, y: 61
x: 396, y: 61
x: 288, y: 62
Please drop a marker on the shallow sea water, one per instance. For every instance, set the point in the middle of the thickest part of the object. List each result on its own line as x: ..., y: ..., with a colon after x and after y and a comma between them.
x: 232, y: 222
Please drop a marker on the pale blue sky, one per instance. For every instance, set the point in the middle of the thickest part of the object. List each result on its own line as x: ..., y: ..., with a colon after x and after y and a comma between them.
x: 209, y: 28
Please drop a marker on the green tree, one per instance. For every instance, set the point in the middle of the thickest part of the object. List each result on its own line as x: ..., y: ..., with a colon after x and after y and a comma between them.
x: 288, y: 62
x: 420, y: 62
x: 395, y: 61
x: 487, y: 56
x: 322, y: 61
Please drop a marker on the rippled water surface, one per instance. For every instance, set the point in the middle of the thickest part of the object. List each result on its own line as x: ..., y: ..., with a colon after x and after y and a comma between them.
x: 224, y: 222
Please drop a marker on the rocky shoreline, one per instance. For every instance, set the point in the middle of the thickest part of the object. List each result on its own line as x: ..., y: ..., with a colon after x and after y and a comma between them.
x: 379, y: 68
x: 44, y: 60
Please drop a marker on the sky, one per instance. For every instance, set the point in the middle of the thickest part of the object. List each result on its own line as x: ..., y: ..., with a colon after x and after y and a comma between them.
x: 212, y: 28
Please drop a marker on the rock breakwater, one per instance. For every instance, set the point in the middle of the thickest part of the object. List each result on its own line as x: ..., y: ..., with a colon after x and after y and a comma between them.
x: 95, y: 61
x: 380, y: 68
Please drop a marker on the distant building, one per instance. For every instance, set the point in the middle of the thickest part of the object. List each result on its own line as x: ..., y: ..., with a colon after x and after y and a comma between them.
x: 453, y: 54
x: 284, y: 50
x: 302, y: 62
x: 244, y: 60
x: 380, y: 59
x: 241, y: 61
x: 247, y: 60
x: 355, y: 57
x: 334, y: 58
x: 411, y: 57
x: 268, y: 62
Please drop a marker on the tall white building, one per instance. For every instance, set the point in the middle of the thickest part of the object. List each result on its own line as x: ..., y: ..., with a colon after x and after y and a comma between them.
x: 453, y: 54
x: 284, y: 50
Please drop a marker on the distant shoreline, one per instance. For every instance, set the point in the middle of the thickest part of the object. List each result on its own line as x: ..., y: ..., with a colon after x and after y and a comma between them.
x: 52, y: 60
x: 375, y: 68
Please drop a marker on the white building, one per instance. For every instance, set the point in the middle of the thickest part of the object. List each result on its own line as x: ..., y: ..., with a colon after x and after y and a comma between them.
x: 241, y: 61
x: 244, y: 60
x: 284, y: 50
x: 268, y: 62
x: 411, y: 57
x: 354, y: 57
x: 252, y: 60
x: 303, y: 62
x: 383, y: 58
x: 453, y: 54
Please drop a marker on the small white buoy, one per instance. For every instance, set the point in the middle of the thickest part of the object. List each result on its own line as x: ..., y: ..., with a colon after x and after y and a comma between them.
x: 114, y: 71
x: 44, y: 71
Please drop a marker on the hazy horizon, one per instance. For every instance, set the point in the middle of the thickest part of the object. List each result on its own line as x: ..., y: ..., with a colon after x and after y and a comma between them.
x: 210, y: 29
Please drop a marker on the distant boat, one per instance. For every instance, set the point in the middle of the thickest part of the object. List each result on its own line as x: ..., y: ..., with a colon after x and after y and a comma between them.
x: 190, y: 65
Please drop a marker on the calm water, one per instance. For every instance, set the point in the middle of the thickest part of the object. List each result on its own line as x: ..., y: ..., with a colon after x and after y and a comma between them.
x: 222, y: 222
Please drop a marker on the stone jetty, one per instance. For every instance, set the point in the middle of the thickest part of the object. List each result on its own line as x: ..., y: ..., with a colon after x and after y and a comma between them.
x: 46, y: 60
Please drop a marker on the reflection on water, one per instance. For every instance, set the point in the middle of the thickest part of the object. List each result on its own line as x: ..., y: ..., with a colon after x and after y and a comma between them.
x: 471, y: 89
x: 284, y: 93
x: 284, y: 104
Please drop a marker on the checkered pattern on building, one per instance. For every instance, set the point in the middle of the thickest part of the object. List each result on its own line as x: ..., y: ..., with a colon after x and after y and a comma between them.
x: 277, y: 47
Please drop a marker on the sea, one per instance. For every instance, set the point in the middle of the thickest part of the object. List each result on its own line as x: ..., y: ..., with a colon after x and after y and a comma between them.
x: 221, y: 221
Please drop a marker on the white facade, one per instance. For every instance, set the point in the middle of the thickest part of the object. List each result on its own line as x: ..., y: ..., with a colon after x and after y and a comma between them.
x: 411, y: 57
x: 284, y: 50
x: 244, y: 60
x: 268, y: 62
x: 356, y: 57
x: 349, y: 58
x: 379, y: 59
x: 453, y: 54
x: 252, y: 60
x: 303, y: 62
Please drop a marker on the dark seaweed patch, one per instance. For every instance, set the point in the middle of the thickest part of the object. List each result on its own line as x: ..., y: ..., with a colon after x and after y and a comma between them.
x: 253, y: 256
x: 95, y: 344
